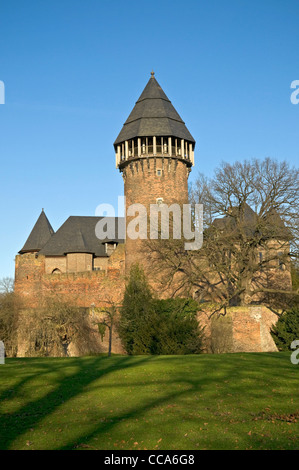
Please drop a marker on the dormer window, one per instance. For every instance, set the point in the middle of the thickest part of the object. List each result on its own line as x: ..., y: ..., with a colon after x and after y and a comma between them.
x: 109, y: 248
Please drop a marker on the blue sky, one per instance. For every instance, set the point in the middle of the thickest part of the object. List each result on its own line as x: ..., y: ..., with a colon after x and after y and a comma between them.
x: 73, y: 70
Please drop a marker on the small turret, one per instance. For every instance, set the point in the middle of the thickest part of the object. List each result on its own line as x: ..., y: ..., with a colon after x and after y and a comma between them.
x: 39, y: 236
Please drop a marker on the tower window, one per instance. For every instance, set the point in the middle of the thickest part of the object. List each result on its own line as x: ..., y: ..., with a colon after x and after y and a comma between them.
x: 159, y: 172
x: 159, y: 201
x: 143, y: 146
x: 150, y: 145
x: 158, y: 144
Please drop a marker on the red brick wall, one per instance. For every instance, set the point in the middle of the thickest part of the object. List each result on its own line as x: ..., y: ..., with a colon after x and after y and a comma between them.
x: 29, y: 270
x: 84, y: 289
x: 88, y: 287
x: 142, y: 185
x: 249, y: 329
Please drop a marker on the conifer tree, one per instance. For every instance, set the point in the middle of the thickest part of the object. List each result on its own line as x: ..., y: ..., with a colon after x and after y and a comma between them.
x: 286, y: 329
x: 137, y: 314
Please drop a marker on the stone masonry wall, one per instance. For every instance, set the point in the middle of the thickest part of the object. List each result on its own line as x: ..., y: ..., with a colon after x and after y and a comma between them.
x: 85, y: 289
x: 88, y: 287
x: 143, y: 185
x: 242, y: 329
x: 55, y: 263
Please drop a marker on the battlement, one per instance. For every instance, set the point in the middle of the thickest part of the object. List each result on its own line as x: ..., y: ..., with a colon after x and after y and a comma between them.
x: 101, y: 273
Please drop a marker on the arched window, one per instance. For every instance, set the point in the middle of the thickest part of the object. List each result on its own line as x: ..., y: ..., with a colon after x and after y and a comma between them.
x: 56, y: 271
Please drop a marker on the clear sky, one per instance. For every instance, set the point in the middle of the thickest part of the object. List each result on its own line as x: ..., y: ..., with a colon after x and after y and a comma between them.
x: 73, y: 70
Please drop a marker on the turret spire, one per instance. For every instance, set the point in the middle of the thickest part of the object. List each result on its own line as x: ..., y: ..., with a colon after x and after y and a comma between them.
x: 39, y: 236
x: 154, y: 115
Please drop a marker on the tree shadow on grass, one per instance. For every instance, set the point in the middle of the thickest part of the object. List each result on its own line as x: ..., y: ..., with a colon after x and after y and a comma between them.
x: 34, y: 367
x: 185, y: 378
x: 69, y: 386
x: 183, y: 386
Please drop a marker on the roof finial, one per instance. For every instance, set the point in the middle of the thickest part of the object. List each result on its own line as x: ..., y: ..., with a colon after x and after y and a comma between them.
x: 152, y: 74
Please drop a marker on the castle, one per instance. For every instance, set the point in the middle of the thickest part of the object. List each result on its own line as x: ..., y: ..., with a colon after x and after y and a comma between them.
x: 155, y: 153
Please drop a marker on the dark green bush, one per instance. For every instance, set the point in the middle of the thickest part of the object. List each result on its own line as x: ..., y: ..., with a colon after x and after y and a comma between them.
x: 137, y: 313
x: 286, y: 329
x: 151, y: 326
x: 177, y: 330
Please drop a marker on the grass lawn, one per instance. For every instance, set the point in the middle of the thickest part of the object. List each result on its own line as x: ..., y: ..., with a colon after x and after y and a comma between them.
x: 228, y: 401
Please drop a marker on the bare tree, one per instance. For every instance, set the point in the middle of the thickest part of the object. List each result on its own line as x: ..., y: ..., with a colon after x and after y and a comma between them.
x: 250, y: 238
x: 6, y: 285
x: 10, y: 306
x: 106, y: 316
x: 55, y: 324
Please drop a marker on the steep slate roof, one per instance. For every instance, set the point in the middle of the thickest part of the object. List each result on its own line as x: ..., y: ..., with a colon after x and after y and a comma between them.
x: 39, y: 236
x: 77, y: 235
x: 276, y: 227
x: 153, y: 115
x: 229, y: 222
x: 272, y: 226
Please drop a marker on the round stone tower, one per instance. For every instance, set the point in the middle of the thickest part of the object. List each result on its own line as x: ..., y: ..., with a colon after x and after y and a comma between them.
x: 155, y: 153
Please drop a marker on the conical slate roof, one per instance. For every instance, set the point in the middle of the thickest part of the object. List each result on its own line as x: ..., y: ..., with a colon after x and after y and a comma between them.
x: 153, y: 115
x: 39, y: 236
